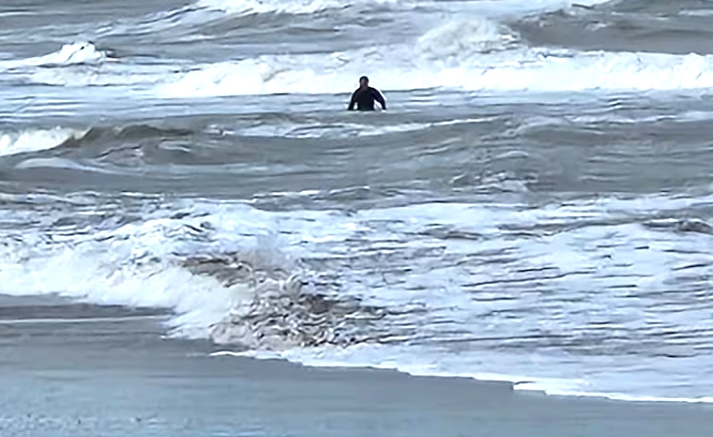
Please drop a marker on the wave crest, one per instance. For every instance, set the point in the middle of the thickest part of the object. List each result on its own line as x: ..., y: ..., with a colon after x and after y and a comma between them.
x: 40, y: 139
x: 254, y: 296
x: 34, y: 140
x: 76, y: 53
x: 447, y: 67
x: 464, y: 38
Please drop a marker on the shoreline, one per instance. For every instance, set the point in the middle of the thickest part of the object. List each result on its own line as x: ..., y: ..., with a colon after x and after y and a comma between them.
x: 121, y: 377
x: 512, y: 384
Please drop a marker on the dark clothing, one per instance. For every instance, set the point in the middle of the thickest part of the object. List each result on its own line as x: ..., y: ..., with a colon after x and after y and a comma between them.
x: 364, y: 99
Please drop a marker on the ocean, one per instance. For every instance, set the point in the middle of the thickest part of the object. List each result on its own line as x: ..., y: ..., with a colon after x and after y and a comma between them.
x: 189, y: 214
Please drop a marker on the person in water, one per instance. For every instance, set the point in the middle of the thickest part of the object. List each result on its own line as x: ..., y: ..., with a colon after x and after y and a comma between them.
x: 364, y: 97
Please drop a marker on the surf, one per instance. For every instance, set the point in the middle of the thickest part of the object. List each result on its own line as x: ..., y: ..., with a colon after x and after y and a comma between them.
x: 459, y: 55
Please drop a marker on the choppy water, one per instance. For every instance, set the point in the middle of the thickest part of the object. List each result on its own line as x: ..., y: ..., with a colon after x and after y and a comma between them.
x: 534, y: 206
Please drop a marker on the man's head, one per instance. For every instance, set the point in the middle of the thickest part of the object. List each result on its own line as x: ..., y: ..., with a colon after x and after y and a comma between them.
x: 363, y: 81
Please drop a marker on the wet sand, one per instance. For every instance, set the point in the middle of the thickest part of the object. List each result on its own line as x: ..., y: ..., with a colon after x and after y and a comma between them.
x: 109, y: 372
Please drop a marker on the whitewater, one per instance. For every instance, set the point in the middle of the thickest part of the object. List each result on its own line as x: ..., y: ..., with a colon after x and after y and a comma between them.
x: 534, y: 207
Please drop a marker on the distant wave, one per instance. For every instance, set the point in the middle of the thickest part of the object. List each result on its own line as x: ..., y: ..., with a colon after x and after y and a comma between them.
x: 130, y: 133
x: 458, y: 55
x: 82, y: 64
x: 69, y: 54
x: 34, y: 140
x: 515, y: 7
x: 40, y: 139
x: 466, y: 53
x: 204, y: 11
x: 291, y: 6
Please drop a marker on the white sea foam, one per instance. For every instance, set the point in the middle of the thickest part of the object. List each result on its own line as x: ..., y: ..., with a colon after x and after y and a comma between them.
x: 114, y: 75
x: 447, y: 250
x: 133, y: 265
x: 417, y: 361
x: 33, y: 140
x: 696, y: 12
x: 557, y: 391
x: 326, y: 131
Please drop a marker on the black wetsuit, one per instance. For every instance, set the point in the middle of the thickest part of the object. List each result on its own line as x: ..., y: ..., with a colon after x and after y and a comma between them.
x: 364, y: 99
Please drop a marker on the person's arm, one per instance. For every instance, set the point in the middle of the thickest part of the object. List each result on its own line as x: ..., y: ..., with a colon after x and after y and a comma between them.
x: 352, y: 101
x: 379, y: 98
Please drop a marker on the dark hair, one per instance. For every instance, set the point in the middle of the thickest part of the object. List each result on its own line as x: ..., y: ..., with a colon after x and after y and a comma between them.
x: 364, y: 78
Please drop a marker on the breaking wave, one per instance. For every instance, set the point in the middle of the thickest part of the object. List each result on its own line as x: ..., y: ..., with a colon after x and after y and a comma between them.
x: 241, y: 290
x: 283, y: 283
x: 33, y: 140
x: 39, y: 139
